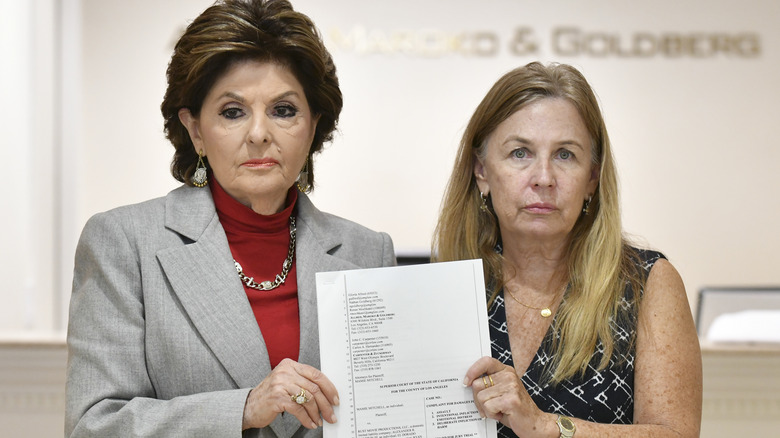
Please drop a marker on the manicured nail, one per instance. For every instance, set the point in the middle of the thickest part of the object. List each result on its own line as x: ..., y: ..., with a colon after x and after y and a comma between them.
x: 333, y: 418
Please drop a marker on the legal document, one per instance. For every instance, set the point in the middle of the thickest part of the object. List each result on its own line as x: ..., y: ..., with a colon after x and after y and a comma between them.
x: 397, y: 343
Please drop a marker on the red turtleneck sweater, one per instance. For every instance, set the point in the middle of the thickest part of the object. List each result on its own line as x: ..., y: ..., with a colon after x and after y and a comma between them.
x: 260, y: 244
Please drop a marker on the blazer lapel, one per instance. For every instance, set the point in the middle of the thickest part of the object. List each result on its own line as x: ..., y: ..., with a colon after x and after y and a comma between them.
x: 316, y: 242
x: 204, y: 279
x: 203, y: 276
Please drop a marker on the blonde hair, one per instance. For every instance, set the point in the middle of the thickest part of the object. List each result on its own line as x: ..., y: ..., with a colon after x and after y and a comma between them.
x: 600, y: 260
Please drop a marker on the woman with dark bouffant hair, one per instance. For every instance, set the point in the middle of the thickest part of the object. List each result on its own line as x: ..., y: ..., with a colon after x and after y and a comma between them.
x: 195, y: 314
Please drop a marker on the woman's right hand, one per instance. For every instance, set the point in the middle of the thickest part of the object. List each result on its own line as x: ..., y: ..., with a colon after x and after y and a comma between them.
x: 499, y: 394
x: 274, y: 395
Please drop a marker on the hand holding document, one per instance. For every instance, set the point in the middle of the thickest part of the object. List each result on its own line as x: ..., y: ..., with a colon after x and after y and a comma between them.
x: 397, y: 343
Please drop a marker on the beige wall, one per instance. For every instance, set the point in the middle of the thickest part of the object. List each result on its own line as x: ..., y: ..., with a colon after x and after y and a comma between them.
x: 696, y: 139
x: 695, y: 135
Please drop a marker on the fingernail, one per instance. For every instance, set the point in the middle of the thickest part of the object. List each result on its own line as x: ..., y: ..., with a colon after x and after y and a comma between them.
x: 333, y: 418
x: 466, y: 382
x: 313, y: 425
x: 336, y: 400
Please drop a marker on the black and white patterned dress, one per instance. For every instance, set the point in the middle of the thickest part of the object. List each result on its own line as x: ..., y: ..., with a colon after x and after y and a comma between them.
x: 605, y: 396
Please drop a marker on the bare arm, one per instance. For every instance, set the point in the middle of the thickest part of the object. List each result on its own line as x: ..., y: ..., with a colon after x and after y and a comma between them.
x: 667, y: 377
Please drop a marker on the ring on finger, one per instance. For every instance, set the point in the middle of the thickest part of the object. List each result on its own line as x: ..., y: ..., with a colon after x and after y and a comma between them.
x: 491, y: 380
x: 300, y: 397
x: 485, y: 382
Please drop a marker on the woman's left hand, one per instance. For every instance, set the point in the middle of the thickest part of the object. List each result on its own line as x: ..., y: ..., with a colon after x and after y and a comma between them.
x: 278, y: 391
x: 499, y: 394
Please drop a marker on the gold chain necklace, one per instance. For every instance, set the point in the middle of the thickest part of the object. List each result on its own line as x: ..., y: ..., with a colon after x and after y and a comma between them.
x: 544, y: 311
x: 280, y: 278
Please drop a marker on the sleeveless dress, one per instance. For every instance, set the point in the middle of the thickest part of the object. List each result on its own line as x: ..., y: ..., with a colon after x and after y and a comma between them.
x: 605, y: 396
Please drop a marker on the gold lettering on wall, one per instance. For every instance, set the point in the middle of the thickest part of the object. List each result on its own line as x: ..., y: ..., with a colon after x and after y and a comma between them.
x: 570, y: 41
x: 564, y: 41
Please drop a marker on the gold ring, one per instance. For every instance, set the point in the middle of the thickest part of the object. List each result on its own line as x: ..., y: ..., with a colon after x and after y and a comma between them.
x: 485, y: 381
x: 300, y: 398
x: 491, y: 380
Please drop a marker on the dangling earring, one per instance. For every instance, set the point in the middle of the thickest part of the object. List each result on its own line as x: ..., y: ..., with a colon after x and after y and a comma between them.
x: 303, y: 178
x: 200, y: 178
x: 484, y: 199
x: 586, y: 205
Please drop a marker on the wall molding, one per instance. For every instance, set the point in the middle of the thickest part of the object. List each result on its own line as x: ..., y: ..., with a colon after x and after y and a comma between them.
x: 740, y: 385
x: 32, y: 377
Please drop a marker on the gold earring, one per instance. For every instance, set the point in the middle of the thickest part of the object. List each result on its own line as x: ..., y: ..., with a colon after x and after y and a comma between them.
x: 484, y: 199
x: 200, y: 177
x: 586, y: 205
x: 303, y: 178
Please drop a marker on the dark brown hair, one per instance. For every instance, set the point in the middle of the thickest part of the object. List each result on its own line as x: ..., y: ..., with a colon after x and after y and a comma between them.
x: 231, y: 31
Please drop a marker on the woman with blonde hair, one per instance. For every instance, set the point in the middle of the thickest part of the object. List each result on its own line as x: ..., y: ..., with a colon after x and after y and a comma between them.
x: 590, y: 335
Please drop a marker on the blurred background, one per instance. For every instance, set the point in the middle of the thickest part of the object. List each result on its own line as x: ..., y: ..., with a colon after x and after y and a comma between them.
x: 689, y: 91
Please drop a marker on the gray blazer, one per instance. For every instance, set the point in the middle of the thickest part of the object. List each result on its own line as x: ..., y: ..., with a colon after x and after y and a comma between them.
x: 161, y: 338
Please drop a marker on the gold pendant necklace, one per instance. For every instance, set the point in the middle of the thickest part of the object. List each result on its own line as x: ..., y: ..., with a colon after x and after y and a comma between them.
x: 544, y: 311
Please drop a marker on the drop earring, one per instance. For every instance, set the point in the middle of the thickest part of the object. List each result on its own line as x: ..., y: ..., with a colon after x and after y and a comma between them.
x: 303, y: 178
x: 484, y: 199
x: 200, y: 177
x: 586, y: 205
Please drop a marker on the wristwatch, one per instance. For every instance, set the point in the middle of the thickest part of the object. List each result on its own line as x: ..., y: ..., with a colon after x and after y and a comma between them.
x: 566, y: 426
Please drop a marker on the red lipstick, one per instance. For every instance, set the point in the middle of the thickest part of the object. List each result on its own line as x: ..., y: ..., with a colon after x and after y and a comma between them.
x: 260, y: 162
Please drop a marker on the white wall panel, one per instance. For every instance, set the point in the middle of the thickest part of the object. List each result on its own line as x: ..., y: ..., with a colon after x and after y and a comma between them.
x: 27, y: 115
x: 688, y: 91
